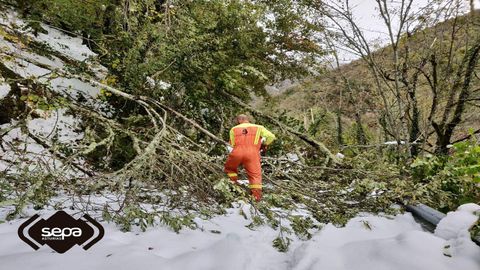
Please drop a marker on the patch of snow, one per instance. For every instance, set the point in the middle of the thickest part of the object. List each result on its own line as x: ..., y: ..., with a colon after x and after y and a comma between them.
x: 16, y: 137
x: 11, y: 18
x: 164, y: 85
x: 150, y: 81
x: 64, y: 127
x: 70, y: 46
x: 469, y: 208
x: 293, y: 157
x: 18, y: 148
x: 454, y: 228
x: 458, y: 222
x: 25, y: 68
x: 55, y: 126
x: 100, y: 71
x: 4, y: 90
x: 17, y: 49
x: 73, y: 87
x: 393, y: 142
x: 383, y: 244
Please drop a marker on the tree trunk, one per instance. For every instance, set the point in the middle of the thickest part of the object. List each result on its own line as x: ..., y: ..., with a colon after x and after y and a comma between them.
x: 445, y: 132
x: 415, y: 128
x: 339, y: 128
x: 360, y: 133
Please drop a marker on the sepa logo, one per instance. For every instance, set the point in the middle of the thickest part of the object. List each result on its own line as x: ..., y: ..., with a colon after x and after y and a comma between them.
x: 61, y: 232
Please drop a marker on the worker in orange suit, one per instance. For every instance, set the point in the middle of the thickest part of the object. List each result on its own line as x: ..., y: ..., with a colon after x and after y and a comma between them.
x: 246, y: 140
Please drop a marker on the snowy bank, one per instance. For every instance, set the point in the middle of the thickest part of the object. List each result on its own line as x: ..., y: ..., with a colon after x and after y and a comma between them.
x: 54, y: 126
x: 366, y: 242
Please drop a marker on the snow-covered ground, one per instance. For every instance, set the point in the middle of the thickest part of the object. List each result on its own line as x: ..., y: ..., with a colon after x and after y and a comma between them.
x: 366, y: 242
x: 52, y: 126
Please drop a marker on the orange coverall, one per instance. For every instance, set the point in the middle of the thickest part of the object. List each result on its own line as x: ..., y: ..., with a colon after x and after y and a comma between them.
x: 246, y: 141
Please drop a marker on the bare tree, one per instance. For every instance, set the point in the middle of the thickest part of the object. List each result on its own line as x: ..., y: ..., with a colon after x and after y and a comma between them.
x: 421, y: 50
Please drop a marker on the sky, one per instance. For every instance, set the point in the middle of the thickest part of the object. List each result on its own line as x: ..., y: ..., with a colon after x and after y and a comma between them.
x: 373, y: 26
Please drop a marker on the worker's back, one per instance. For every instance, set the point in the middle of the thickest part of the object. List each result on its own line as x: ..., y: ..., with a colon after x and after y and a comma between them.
x: 246, y: 135
x: 246, y: 139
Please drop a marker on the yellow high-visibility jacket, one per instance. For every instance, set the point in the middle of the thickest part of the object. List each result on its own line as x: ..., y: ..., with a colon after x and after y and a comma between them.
x: 258, y: 130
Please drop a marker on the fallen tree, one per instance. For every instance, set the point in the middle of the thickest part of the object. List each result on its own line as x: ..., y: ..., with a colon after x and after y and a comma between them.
x: 167, y: 163
x: 151, y: 171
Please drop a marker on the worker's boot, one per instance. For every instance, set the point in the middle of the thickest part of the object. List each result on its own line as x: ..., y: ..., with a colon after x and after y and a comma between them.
x: 233, y: 177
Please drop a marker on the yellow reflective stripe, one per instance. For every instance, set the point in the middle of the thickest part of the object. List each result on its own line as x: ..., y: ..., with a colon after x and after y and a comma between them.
x: 255, y: 186
x: 232, y: 174
x: 232, y: 137
x: 257, y: 135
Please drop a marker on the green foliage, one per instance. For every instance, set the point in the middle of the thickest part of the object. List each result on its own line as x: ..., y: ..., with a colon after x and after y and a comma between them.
x: 425, y: 168
x: 322, y: 120
x: 121, y: 152
x: 32, y: 186
x: 37, y: 101
x: 354, y: 133
x: 228, y: 192
x: 475, y: 229
x: 177, y: 222
x: 281, y: 243
x: 301, y: 226
x: 466, y: 160
x: 86, y: 16
x: 6, y: 188
x: 190, y: 52
x: 208, y: 47
x: 257, y: 221
x: 132, y: 214
x: 456, y: 175
x: 367, y: 185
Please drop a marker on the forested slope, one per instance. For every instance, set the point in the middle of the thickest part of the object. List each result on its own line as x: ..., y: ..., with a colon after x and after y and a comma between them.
x: 347, y: 93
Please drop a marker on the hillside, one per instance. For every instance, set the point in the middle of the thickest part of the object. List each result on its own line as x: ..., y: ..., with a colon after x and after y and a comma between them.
x: 323, y: 97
